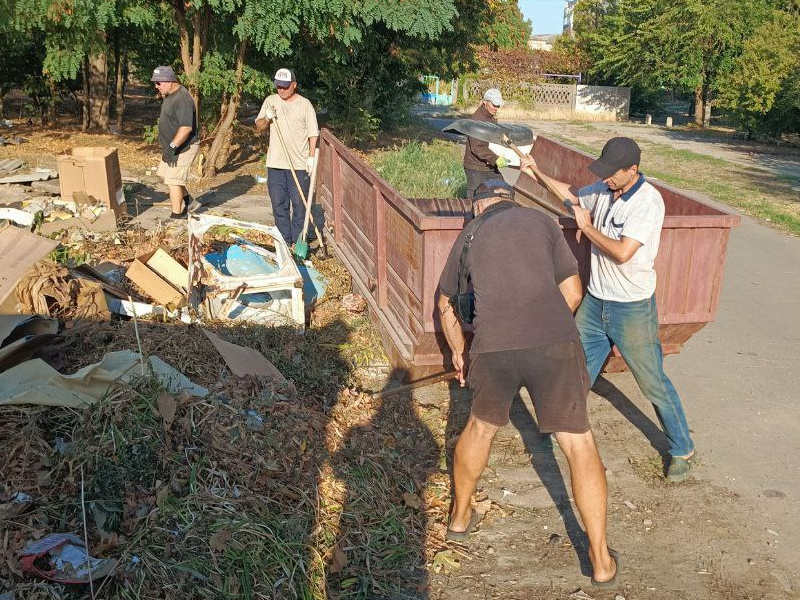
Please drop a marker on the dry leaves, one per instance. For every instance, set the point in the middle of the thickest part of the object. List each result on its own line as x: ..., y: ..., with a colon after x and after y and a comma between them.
x: 339, y: 560
x: 219, y: 540
x: 412, y: 500
x: 167, y: 407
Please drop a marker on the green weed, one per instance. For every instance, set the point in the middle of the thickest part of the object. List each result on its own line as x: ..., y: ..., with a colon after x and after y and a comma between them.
x: 423, y: 170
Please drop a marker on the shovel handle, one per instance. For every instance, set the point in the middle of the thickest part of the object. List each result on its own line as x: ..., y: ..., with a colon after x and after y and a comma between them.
x: 564, y: 209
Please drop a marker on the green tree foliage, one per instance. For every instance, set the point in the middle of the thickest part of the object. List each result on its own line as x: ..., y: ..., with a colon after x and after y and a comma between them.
x: 655, y: 44
x: 762, y: 91
x: 504, y: 26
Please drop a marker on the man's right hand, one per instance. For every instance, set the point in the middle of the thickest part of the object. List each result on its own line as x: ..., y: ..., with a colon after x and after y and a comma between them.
x: 458, y: 363
x: 270, y: 114
x: 526, y: 160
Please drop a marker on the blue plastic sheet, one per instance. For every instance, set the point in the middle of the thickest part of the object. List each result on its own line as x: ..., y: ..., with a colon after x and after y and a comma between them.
x: 238, y: 261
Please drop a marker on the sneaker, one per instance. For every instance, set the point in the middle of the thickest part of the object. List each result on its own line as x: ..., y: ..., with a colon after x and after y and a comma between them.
x: 181, y: 215
x: 680, y: 468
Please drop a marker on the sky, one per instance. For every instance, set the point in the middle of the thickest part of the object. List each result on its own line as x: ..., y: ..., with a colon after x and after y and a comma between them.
x: 547, y: 16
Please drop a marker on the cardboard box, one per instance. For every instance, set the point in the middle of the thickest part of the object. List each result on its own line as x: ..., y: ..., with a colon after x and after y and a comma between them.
x: 154, y: 273
x: 95, y: 172
x: 19, y: 250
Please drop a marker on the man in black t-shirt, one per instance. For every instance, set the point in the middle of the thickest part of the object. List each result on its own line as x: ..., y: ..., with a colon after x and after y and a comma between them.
x: 177, y: 134
x: 526, y: 285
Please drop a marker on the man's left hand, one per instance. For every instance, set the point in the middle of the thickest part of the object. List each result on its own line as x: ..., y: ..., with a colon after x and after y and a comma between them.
x: 582, y: 216
x: 310, y: 164
x: 170, y: 156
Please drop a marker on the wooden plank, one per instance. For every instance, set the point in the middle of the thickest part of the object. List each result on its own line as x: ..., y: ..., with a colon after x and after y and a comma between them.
x: 380, y: 245
x: 337, y: 195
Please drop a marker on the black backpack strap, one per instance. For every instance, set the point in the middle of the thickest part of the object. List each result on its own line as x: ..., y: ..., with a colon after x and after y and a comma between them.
x: 472, y: 228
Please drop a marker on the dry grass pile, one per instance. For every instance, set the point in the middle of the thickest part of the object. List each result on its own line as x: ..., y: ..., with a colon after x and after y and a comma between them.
x: 312, y: 490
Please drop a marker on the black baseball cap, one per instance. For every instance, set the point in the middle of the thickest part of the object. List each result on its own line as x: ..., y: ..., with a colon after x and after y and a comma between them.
x: 618, y: 153
x: 492, y: 188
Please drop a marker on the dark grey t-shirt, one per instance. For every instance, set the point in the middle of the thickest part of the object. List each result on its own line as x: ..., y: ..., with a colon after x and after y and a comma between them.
x: 517, y: 259
x: 177, y: 110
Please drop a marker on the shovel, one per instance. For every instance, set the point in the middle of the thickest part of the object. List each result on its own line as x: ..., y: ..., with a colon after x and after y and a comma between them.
x: 301, y: 245
x: 493, y: 133
x: 511, y: 135
x: 306, y: 203
x: 566, y: 207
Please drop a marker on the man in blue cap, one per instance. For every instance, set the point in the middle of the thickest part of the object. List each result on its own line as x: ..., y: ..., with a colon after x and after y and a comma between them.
x: 526, y: 286
x: 177, y: 134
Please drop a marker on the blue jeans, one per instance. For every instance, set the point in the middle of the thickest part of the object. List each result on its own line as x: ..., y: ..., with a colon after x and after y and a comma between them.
x: 633, y: 328
x: 287, y: 206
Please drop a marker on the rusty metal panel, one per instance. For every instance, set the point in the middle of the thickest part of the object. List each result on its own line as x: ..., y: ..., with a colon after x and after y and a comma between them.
x: 404, y: 250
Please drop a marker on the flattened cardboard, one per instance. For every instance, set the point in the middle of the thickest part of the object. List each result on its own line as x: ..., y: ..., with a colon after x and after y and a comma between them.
x: 154, y: 283
x: 244, y: 361
x: 19, y: 250
x: 169, y: 269
x: 95, y: 172
x: 107, y: 221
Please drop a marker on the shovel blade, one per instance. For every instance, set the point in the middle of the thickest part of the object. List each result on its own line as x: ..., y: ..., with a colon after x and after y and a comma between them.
x: 301, y: 249
x: 521, y: 135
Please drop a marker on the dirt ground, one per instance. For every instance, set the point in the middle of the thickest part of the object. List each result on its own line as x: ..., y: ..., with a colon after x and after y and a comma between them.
x: 697, y: 540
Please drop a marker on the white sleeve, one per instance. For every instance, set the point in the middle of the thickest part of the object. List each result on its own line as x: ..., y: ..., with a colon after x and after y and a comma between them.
x: 589, y: 194
x: 642, y: 222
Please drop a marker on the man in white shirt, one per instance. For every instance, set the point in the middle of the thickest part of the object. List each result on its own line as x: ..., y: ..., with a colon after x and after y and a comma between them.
x: 294, y: 115
x: 622, y: 215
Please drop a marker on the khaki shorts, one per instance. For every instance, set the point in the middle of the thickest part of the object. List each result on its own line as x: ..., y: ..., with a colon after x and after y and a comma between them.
x: 554, y: 375
x: 179, y: 174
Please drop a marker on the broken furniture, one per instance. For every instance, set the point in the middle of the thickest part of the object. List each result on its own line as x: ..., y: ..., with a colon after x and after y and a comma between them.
x: 231, y: 277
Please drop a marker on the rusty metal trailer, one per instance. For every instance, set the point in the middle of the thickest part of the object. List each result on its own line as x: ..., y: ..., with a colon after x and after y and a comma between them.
x: 395, y: 248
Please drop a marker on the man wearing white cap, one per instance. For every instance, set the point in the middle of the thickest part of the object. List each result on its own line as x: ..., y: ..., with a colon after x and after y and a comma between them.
x: 480, y: 163
x: 296, y: 120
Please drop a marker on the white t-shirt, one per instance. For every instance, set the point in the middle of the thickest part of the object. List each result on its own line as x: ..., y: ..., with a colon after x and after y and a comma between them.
x: 298, y: 122
x: 637, y: 214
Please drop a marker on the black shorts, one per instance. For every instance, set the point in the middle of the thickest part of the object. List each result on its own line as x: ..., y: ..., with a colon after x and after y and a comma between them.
x: 555, y: 377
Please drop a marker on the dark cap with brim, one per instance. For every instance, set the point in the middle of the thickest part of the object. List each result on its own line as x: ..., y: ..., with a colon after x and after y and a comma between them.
x: 618, y: 153
x: 493, y: 188
x: 165, y: 73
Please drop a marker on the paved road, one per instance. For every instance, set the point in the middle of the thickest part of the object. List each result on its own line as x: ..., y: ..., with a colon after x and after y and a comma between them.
x: 741, y: 384
x: 776, y: 159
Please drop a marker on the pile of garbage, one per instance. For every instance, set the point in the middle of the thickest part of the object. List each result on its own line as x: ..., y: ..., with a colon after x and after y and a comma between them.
x: 145, y: 452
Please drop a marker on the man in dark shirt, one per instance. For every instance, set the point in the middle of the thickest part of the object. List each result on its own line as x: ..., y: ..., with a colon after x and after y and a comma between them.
x: 526, y: 285
x: 480, y: 163
x: 177, y: 134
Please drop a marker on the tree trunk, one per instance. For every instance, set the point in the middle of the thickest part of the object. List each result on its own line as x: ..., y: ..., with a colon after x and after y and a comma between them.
x: 121, y: 75
x: 98, y: 90
x: 698, y: 106
x: 52, y: 106
x: 85, y: 100
x: 193, y: 45
x: 220, y: 149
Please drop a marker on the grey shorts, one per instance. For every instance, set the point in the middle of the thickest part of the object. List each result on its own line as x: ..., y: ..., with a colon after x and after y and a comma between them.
x: 555, y: 377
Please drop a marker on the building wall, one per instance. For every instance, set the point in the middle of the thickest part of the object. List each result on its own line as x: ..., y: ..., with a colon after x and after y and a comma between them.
x: 603, y: 99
